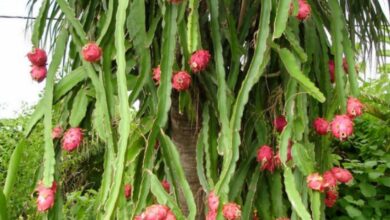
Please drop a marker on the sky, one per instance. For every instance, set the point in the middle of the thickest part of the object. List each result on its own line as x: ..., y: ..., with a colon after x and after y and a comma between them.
x: 17, y: 89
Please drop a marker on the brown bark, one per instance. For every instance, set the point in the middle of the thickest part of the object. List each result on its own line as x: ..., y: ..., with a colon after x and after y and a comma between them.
x: 184, y: 135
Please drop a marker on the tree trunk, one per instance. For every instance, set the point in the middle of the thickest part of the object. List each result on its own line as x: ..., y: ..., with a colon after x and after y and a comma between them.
x: 184, y: 135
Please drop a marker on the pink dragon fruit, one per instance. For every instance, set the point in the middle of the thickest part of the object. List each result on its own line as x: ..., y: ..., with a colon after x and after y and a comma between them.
x: 304, y: 10
x: 38, y: 73
x: 157, y: 212
x: 330, y: 180
x: 91, y: 52
x: 265, y: 158
x: 315, y: 182
x: 157, y: 75
x: 354, y: 107
x: 46, y: 196
x: 166, y: 185
x: 321, y: 126
x: 213, y: 201
x: 199, y: 60
x: 279, y: 123
x: 331, y: 197
x: 57, y: 132
x: 181, y: 81
x: 37, y: 57
x: 342, y: 175
x: 128, y: 190
x: 231, y: 211
x: 72, y: 139
x: 342, y: 127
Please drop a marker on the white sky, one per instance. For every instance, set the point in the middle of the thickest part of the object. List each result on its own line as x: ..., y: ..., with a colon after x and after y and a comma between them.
x: 16, y: 86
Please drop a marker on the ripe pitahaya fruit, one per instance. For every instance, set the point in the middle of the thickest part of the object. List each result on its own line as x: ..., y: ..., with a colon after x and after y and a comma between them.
x: 128, y: 190
x: 72, y: 139
x: 321, y: 126
x: 304, y: 10
x: 331, y: 197
x: 91, y: 52
x: 342, y: 127
x: 265, y: 158
x: 279, y: 123
x: 315, y: 182
x: 37, y: 57
x: 199, y: 60
x: 57, y: 132
x: 342, y: 175
x: 330, y: 180
x: 181, y: 81
x: 354, y: 107
x: 38, y: 73
x: 231, y: 211
x: 157, y: 75
x: 157, y: 212
x: 166, y: 185
x: 213, y: 201
x: 46, y: 196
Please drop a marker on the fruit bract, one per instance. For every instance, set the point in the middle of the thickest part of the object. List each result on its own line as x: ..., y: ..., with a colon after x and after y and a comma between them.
x: 231, y: 211
x: 181, y: 81
x: 213, y: 201
x: 341, y: 127
x: 354, y: 107
x: 304, y: 10
x: 128, y: 189
x: 38, y: 73
x: 91, y: 52
x: 72, y: 139
x: 211, y: 215
x: 157, y: 74
x: 279, y: 123
x: 199, y: 60
x: 315, y: 182
x: 342, y: 175
x: 37, y: 57
x: 321, y: 126
x: 265, y: 158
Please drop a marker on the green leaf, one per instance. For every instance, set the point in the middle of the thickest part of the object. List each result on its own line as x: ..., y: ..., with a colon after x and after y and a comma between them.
x: 250, y: 197
x: 367, y: 190
x: 40, y: 23
x: 126, y: 116
x: 79, y: 108
x: 67, y: 83
x: 281, y: 18
x: 193, y: 34
x: 179, y: 175
x: 13, y: 166
x: 294, y: 42
x: 294, y: 70
x: 315, y: 200
x: 3, y: 206
x: 294, y: 196
x: 49, y: 155
x: 303, y: 159
x: 353, y: 212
